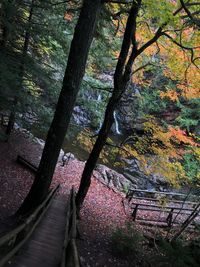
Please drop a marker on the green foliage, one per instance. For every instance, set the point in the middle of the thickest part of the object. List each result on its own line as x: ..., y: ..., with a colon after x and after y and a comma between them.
x: 191, y: 165
x: 189, y: 116
x: 127, y: 242
x: 177, y: 254
x: 32, y: 75
x: 3, y: 137
x: 93, y: 97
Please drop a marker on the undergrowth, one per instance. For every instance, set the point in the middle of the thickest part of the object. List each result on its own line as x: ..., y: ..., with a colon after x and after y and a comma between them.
x: 130, y: 244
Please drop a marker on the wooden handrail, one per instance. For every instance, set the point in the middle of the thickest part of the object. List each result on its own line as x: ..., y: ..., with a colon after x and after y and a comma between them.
x: 73, y: 226
x: 70, y: 256
x: 19, y: 228
x: 66, y: 239
x: 13, y: 234
x: 155, y: 192
x: 168, y: 200
x: 159, y: 208
x: 162, y: 207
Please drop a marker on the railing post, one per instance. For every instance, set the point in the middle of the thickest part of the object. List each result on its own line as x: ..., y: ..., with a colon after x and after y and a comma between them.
x: 129, y: 195
x: 134, y: 214
x: 169, y: 218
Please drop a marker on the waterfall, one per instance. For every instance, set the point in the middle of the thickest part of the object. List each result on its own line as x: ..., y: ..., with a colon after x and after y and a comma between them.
x: 99, y: 98
x: 99, y: 128
x: 116, y: 123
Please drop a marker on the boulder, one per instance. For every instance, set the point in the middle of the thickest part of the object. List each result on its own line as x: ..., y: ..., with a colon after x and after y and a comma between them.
x: 39, y: 141
x: 114, y: 179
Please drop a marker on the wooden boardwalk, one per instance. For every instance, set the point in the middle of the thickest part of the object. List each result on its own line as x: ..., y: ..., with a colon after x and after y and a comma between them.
x: 44, y: 248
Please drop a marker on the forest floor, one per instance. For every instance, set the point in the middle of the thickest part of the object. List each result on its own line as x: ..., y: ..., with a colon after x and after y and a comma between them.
x: 103, y: 209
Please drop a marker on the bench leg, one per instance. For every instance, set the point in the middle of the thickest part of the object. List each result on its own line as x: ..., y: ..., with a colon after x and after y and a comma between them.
x: 134, y: 214
x: 169, y: 218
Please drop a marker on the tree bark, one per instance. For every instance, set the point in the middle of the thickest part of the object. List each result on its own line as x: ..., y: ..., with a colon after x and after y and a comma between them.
x: 121, y: 80
x: 11, y: 120
x: 75, y: 70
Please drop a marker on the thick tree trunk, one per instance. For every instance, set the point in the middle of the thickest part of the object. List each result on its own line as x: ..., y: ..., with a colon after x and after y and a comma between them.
x: 121, y: 80
x: 75, y: 70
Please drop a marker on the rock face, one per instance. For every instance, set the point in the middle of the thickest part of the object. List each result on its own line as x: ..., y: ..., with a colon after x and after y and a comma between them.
x: 80, y: 116
x: 130, y: 180
x: 128, y: 109
x: 113, y: 179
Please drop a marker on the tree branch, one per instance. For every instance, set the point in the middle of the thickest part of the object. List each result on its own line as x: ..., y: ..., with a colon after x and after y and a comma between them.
x: 184, y: 47
x: 107, y: 89
x: 152, y: 40
x: 194, y: 20
x: 117, y: 2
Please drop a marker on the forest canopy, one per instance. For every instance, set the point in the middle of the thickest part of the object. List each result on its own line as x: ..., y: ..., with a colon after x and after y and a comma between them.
x: 162, y: 129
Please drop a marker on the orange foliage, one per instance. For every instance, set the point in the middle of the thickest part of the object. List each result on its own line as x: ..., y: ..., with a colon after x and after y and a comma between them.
x: 68, y: 16
x: 171, y: 94
x: 181, y: 136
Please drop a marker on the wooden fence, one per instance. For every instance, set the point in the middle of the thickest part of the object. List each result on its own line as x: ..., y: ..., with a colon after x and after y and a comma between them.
x: 11, y: 242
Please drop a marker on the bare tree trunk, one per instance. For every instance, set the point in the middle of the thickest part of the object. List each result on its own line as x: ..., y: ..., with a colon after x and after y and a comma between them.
x: 11, y: 120
x: 129, y: 52
x: 75, y: 70
x: 187, y: 222
x: 121, y: 81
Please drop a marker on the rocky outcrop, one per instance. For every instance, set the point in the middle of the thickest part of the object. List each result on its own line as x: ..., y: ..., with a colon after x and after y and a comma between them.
x: 132, y: 178
x: 113, y: 179
x: 80, y: 116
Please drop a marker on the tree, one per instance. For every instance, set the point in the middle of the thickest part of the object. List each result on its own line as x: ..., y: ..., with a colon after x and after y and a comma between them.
x: 32, y: 58
x: 75, y: 69
x: 121, y: 79
x: 130, y: 51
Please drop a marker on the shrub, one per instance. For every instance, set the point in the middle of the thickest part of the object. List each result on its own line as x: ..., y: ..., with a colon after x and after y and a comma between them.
x: 177, y: 254
x: 127, y: 242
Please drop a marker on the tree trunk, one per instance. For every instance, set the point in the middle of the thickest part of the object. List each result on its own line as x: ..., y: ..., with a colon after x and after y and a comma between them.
x: 75, y: 70
x: 94, y: 155
x: 187, y: 222
x: 11, y: 120
x: 121, y: 81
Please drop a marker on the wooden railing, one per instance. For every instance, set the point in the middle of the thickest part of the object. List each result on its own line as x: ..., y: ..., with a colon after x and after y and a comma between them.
x: 152, y: 202
x: 169, y: 210
x: 11, y: 242
x: 70, y: 256
x: 135, y: 192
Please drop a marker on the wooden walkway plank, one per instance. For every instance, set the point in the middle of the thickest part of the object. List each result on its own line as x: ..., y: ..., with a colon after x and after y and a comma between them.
x: 44, y: 248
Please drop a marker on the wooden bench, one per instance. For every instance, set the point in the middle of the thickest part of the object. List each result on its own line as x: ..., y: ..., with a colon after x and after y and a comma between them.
x: 21, y: 160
